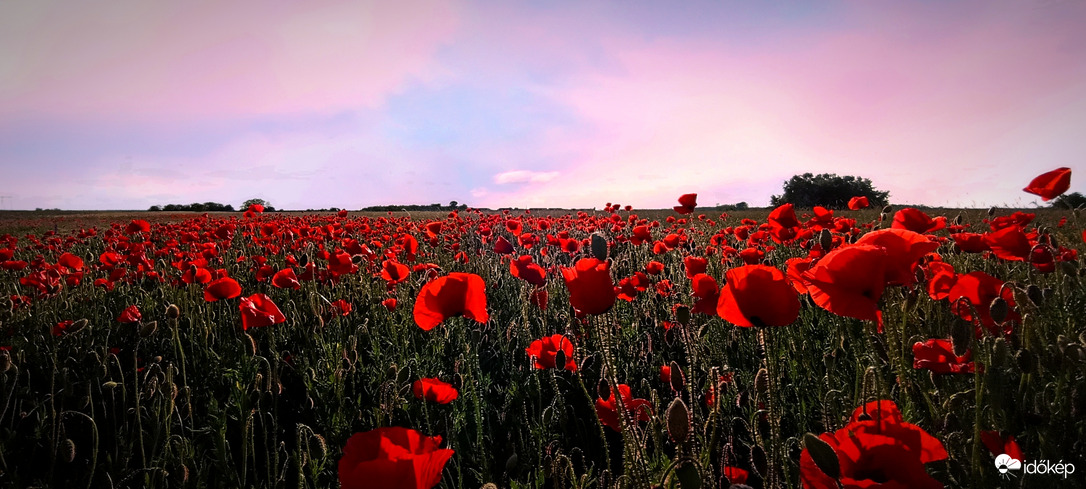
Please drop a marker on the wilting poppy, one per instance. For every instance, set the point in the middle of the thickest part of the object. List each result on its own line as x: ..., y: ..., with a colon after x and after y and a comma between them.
x: 434, y: 390
x: 223, y: 288
x: 394, y: 272
x: 1051, y: 184
x: 544, y: 351
x: 392, y: 458
x: 757, y: 295
x: 258, y: 311
x: 524, y: 269
x: 591, y: 289
x: 286, y: 279
x: 903, y: 249
x: 876, y: 449
x: 608, y: 411
x: 857, y: 203
x: 849, y: 281
x: 131, y: 314
x: 452, y: 295
x: 938, y: 356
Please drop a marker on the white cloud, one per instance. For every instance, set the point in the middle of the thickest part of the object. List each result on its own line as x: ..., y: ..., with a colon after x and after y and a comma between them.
x: 524, y: 176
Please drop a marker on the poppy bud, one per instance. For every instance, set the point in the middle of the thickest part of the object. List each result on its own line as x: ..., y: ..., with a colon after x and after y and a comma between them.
x: 825, y: 239
x: 823, y: 455
x: 1047, y: 292
x: 357, y: 259
x: 958, y: 219
x: 678, y: 421
x: 148, y: 328
x: 67, y: 450
x: 560, y: 359
x: 599, y: 247
x: 5, y: 361
x: 1025, y: 361
x: 676, y: 377
x: 761, y: 383
x: 1035, y: 295
x: 888, y: 209
x: 991, y: 211
x: 458, y: 381
x: 77, y: 326
x: 173, y: 312
x: 603, y: 391
x: 511, y: 463
x: 304, y: 261
x: 682, y: 314
x: 758, y: 459
x: 999, y: 352
x: 961, y: 335
x: 998, y: 310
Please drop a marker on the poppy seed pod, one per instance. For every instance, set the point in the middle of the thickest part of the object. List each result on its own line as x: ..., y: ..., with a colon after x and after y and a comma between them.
x: 173, y: 312
x: 998, y: 310
x: 676, y: 379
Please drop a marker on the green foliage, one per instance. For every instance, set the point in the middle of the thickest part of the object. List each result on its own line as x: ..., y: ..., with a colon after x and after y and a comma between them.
x: 1073, y: 200
x: 194, y: 207
x: 828, y: 190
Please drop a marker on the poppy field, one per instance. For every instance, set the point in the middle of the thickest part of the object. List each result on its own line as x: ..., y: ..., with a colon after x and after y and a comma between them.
x: 786, y: 347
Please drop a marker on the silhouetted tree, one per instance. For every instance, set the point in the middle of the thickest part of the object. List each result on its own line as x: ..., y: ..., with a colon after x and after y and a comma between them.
x: 828, y: 190
x: 1072, y: 200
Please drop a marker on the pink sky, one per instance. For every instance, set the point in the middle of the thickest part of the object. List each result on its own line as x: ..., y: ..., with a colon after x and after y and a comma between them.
x: 348, y: 104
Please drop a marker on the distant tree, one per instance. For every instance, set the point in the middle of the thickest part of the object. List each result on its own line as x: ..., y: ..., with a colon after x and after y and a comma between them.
x: 453, y: 204
x: 155, y: 208
x: 828, y: 190
x: 1073, y: 200
x: 171, y: 207
x: 245, y: 205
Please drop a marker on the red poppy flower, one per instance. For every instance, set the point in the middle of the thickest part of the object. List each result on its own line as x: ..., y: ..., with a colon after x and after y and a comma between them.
x: 434, y: 390
x: 796, y: 267
x: 917, y: 221
x: 970, y: 242
x: 694, y: 265
x: 340, y: 263
x: 655, y: 267
x: 938, y: 356
x: 998, y: 444
x: 539, y: 298
x: 14, y: 265
x: 394, y: 272
x: 707, y: 294
x: 392, y: 458
x: 258, y: 311
x: 70, y: 261
x: 502, y: 246
x: 1009, y: 243
x: 137, y: 226
x: 757, y: 295
x: 880, y: 451
x: 131, y: 314
x: 687, y: 203
x: 1051, y: 184
x: 286, y: 279
x: 903, y: 249
x: 857, y: 203
x: 980, y: 289
x: 390, y: 303
x: 752, y: 256
x: 62, y: 327
x: 223, y: 288
x: 543, y: 352
x: 941, y: 278
x: 591, y: 289
x: 736, y: 475
x: 342, y: 307
x: 640, y: 235
x: 452, y: 295
x: 849, y: 281
x: 524, y: 269
x: 608, y: 411
x: 256, y: 208
x: 783, y: 224
x: 665, y: 374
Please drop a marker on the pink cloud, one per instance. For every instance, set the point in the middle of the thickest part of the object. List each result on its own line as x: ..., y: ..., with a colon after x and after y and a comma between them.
x: 133, y: 60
